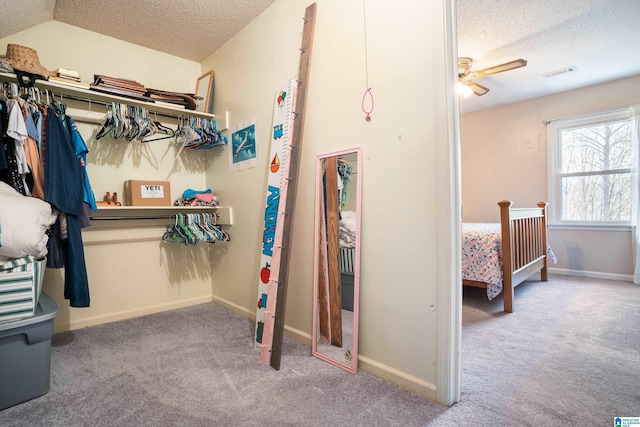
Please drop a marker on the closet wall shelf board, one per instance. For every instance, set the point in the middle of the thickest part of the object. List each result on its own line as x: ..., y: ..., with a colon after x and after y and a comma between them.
x: 150, y: 216
x: 85, y: 94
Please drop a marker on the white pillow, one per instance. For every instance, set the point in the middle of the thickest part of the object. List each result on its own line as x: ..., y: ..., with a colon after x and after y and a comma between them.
x: 24, y: 223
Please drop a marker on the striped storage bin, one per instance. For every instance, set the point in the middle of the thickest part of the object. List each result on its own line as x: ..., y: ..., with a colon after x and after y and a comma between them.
x: 20, y: 287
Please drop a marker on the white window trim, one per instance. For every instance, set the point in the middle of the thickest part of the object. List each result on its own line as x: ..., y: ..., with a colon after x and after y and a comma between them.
x: 555, y: 205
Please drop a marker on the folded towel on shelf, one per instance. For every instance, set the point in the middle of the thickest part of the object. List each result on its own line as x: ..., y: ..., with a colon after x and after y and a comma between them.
x: 197, y: 198
x: 189, y: 193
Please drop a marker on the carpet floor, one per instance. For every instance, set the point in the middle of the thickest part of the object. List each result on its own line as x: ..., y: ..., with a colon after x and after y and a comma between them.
x: 568, y: 356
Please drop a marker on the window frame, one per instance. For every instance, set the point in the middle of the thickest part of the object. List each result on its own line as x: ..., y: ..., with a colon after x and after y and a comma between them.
x: 554, y: 128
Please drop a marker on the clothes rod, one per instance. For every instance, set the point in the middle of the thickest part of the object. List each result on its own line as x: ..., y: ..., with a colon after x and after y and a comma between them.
x: 90, y: 102
x: 103, y: 98
x: 115, y: 221
x: 130, y: 216
x: 118, y: 218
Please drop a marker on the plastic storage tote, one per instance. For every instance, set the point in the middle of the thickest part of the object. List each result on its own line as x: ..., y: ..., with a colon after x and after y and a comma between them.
x: 25, y: 355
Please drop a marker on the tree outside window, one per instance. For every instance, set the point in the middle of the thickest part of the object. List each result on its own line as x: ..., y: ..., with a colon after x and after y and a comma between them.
x: 591, y: 169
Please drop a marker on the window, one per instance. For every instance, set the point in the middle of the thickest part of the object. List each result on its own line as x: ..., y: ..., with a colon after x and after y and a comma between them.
x: 590, y: 169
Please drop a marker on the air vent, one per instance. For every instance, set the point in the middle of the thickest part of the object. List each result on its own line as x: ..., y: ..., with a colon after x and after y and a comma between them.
x: 558, y: 72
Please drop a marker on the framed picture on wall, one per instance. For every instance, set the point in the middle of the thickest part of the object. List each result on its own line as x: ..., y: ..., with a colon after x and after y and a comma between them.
x: 204, y: 92
x: 244, y: 146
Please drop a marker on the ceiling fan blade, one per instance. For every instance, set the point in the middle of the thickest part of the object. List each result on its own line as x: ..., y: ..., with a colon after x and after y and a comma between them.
x: 476, y: 88
x: 512, y: 65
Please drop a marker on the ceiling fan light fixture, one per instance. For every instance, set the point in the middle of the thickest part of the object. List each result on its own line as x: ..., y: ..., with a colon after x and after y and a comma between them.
x: 464, y: 65
x: 466, y: 76
x: 477, y: 89
x: 464, y: 91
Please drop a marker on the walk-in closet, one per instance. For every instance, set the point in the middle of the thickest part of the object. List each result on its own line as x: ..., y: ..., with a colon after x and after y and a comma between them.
x: 166, y: 111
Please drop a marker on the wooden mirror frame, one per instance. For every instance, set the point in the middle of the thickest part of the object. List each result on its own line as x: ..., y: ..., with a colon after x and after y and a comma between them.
x: 321, y: 251
x: 204, y: 86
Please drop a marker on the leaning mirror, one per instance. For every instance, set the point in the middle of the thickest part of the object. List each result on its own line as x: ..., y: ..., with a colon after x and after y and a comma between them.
x: 337, y: 257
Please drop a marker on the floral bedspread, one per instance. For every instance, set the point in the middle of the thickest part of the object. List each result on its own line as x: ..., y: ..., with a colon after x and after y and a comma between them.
x: 482, y: 255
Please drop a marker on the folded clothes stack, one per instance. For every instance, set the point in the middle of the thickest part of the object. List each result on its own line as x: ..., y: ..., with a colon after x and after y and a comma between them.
x: 5, y: 67
x: 65, y: 73
x: 68, y: 78
x: 197, y: 198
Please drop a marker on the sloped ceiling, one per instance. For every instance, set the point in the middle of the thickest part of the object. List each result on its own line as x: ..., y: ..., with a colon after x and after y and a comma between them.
x: 599, y: 37
x: 19, y: 15
x: 190, y: 29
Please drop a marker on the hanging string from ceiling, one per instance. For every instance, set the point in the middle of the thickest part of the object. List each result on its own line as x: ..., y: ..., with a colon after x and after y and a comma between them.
x: 366, y: 109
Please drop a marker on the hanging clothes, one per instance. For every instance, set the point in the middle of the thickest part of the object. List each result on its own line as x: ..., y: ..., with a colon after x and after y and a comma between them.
x: 9, y: 171
x: 82, y: 150
x: 4, y: 118
x: 35, y: 179
x: 17, y: 130
x: 37, y: 175
x: 64, y: 189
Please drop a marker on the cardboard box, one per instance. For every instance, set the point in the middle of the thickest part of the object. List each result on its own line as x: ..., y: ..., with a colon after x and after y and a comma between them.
x: 147, y: 193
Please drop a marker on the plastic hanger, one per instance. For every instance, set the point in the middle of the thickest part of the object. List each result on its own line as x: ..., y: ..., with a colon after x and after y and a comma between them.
x: 107, y: 126
x: 200, y: 220
x: 184, y: 229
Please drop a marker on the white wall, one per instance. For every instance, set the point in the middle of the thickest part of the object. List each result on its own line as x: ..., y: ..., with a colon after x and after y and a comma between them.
x: 398, y: 333
x: 130, y: 271
x: 504, y: 156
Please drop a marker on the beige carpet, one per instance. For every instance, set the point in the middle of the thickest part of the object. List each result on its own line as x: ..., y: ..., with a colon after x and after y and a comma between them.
x: 568, y: 356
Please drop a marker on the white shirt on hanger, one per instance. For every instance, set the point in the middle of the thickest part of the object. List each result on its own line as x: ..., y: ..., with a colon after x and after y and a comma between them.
x: 17, y: 129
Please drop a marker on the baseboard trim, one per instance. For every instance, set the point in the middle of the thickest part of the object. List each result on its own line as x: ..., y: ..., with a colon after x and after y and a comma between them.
x: 591, y: 274
x: 404, y: 380
x: 242, y: 311
x: 123, y: 315
x: 298, y: 335
x: 293, y: 333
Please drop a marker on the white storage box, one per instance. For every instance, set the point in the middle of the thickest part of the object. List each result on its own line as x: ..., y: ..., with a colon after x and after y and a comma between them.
x: 20, y: 287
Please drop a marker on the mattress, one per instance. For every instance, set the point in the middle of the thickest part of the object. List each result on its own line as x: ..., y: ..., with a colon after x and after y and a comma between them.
x: 482, y: 255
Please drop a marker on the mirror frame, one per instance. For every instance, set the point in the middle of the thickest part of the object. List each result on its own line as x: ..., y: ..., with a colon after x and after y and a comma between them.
x: 353, y: 368
x: 204, y: 86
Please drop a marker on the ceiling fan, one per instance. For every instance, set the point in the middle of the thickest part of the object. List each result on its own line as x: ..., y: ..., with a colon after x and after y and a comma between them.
x: 466, y: 76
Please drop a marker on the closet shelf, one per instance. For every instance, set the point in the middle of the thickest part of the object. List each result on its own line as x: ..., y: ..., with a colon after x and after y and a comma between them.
x: 151, y: 216
x: 90, y: 95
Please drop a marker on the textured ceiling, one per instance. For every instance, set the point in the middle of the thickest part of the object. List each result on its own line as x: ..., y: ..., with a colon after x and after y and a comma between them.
x: 190, y: 29
x: 19, y: 15
x: 599, y: 37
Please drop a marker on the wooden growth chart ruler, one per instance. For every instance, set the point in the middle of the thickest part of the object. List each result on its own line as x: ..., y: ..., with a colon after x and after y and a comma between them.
x: 286, y: 138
